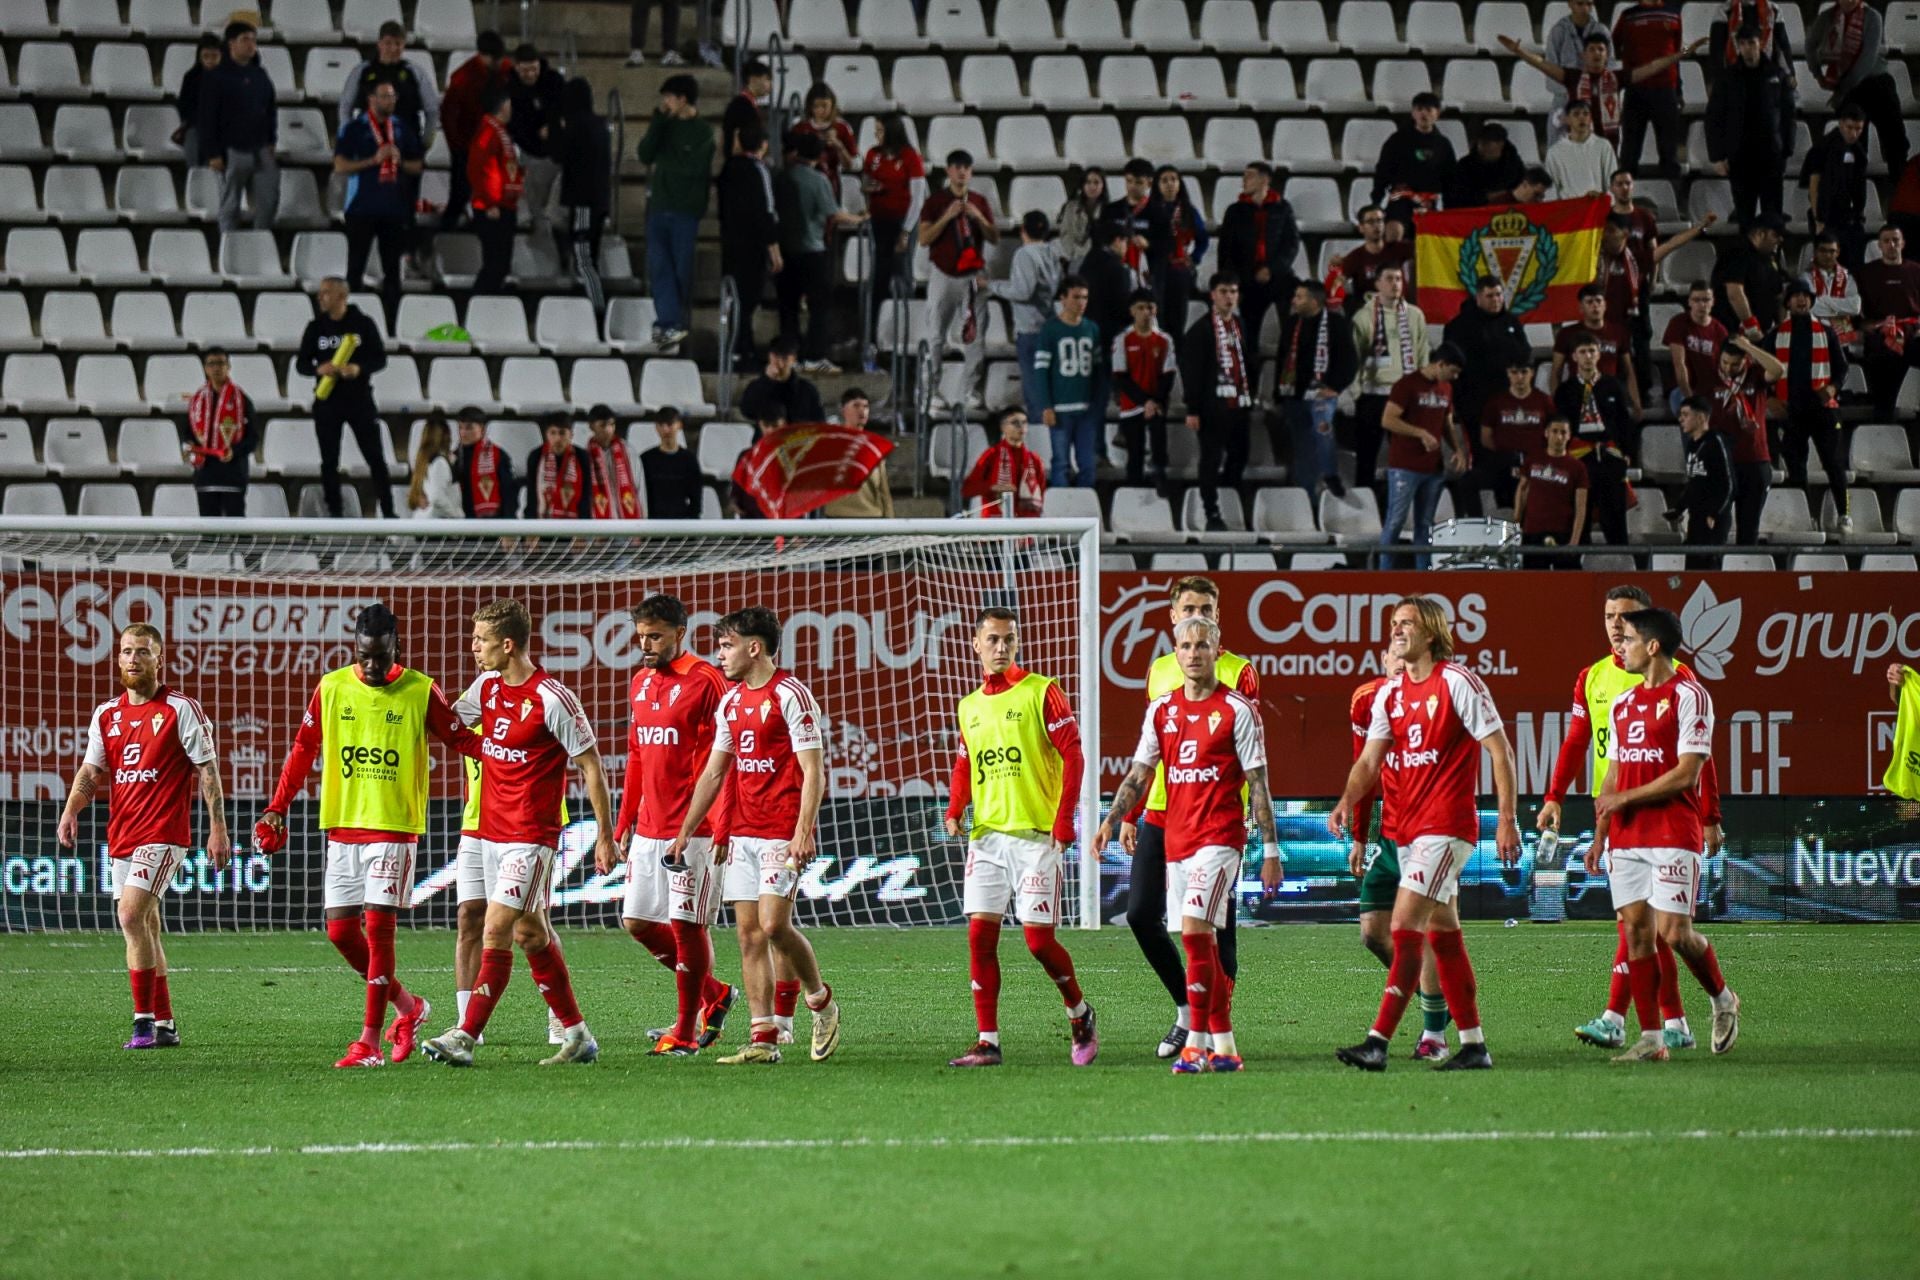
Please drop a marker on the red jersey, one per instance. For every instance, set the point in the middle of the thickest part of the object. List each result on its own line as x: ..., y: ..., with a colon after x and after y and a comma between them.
x: 763, y: 730
x: 1700, y: 345
x: 957, y: 250
x: 528, y: 733
x: 1551, y: 484
x: 889, y: 182
x: 1209, y: 747
x: 1360, y: 715
x: 1143, y: 368
x: 150, y: 751
x: 1573, y: 747
x: 670, y: 732
x: 1652, y: 729
x: 1740, y: 413
x: 1432, y: 729
x: 1613, y: 340
x: 1426, y: 403
x: 1643, y: 237
x: 1518, y: 426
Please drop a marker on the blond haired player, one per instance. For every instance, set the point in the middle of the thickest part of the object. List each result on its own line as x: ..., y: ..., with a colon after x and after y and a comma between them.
x: 147, y: 746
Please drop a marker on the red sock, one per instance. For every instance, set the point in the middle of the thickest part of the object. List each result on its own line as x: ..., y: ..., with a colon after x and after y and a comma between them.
x: 162, y: 998
x: 659, y: 941
x: 1617, y: 988
x: 381, y: 984
x: 983, y: 971
x: 1644, y: 973
x: 1403, y: 979
x: 1220, y: 1008
x: 556, y: 985
x: 1670, y: 1003
x: 765, y: 1033
x: 496, y: 966
x: 1054, y: 959
x: 691, y: 975
x: 141, y: 980
x: 1706, y: 967
x: 1203, y: 978
x: 711, y: 988
x: 1457, y: 982
x: 349, y: 941
x: 786, y: 998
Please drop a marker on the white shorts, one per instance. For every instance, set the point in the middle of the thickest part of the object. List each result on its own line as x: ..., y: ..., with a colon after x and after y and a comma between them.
x: 757, y: 868
x: 149, y: 867
x: 370, y: 875
x: 1004, y: 869
x: 1665, y: 879
x: 475, y: 870
x: 525, y: 874
x: 660, y: 893
x: 1431, y: 865
x: 1206, y: 885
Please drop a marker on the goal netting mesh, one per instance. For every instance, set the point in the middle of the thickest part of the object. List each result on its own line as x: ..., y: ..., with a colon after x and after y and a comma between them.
x: 878, y: 624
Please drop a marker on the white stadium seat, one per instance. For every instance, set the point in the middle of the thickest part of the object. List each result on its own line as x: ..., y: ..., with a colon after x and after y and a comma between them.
x: 1198, y: 83
x: 608, y: 381
x: 1163, y: 26
x: 280, y: 318
x: 1397, y: 80
x: 16, y: 449
x: 1305, y: 146
x: 19, y: 202
x: 1266, y: 84
x: 95, y: 18
x: 147, y: 132
x: 41, y: 499
x: 1367, y: 26
x: 630, y: 324
x: 1473, y: 84
x: 956, y: 25
x: 674, y: 382
x: 261, y: 378
x: 721, y: 444
x: 150, y: 448
x: 20, y: 133
x: 1129, y: 82
x: 856, y: 78
x: 48, y: 70
x: 73, y: 194
x: 171, y: 379
x: 1437, y: 28
x: 76, y: 449
x: 73, y: 322
x: 991, y: 82
x: 457, y: 381
x: 145, y: 193
x: 420, y: 314
x: 1299, y: 26
x: 162, y: 19
x: 567, y: 327
x: 1060, y: 81
x: 1095, y: 140
x: 1029, y: 192
x: 1231, y: 26
x: 445, y: 24
x: 180, y: 258
x: 922, y: 84
x: 762, y: 20
x: 396, y: 388
x: 16, y: 326
x: 499, y: 327
x: 251, y: 260
x: 1165, y: 140
x: 531, y: 385
x: 123, y: 72
x: 290, y: 447
x: 1336, y: 84
x: 1093, y: 25
x: 106, y: 256
x: 1025, y: 24
x: 889, y: 24
x: 820, y: 25
x: 105, y: 384
x: 946, y: 134
x: 26, y: 18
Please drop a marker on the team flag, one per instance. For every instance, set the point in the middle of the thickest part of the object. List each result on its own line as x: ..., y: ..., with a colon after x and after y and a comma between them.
x: 805, y: 465
x: 1543, y: 253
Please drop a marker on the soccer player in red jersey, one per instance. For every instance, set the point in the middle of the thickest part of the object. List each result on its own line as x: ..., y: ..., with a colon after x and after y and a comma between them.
x: 1648, y: 819
x: 147, y: 746
x: 370, y: 723
x: 1429, y: 726
x: 768, y: 740
x: 530, y: 727
x: 1209, y: 737
x: 671, y: 702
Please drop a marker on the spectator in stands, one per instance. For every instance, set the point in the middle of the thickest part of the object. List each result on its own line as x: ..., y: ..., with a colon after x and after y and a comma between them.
x: 1739, y: 412
x: 187, y: 99
x: 1219, y: 361
x: 536, y: 88
x: 1031, y: 286
x: 873, y: 500
x: 1750, y: 128
x: 495, y: 178
x: 749, y: 233
x: 559, y: 474
x: 1143, y: 221
x: 1111, y: 285
x: 1186, y: 243
x: 1390, y: 339
x: 482, y: 469
x: 1890, y: 312
x: 1567, y: 42
x: 348, y: 403
x: 1353, y: 276
x: 1750, y: 277
x: 1420, y: 422
x: 1259, y: 239
x: 1550, y: 500
x: 417, y: 97
x: 1595, y: 404
x: 744, y: 109
x: 1903, y: 209
x: 1648, y: 251
x: 781, y: 394
x: 1489, y: 339
x: 1488, y: 173
x: 379, y: 154
x: 839, y: 148
x: 809, y: 215
x: 1836, y: 294
x: 678, y: 148
x: 225, y: 431
x: 1143, y: 369
x: 1706, y: 504
x: 1315, y: 365
x: 239, y: 127
x: 1723, y: 49
x: 1816, y: 365
x: 894, y: 178
x: 1694, y: 339
x: 584, y: 148
x: 1081, y: 213
x: 616, y: 487
x: 1535, y: 182
x: 1008, y: 478
x: 1644, y: 34
x: 1835, y: 176
x: 1415, y: 165
x: 1582, y: 162
x: 461, y: 111
x: 1847, y: 45
x: 1595, y: 81
x: 1624, y: 285
x: 1615, y: 342
x: 1513, y: 425
x: 432, y: 491
x: 708, y: 45
x: 672, y: 472
x: 1065, y: 365
x: 956, y: 225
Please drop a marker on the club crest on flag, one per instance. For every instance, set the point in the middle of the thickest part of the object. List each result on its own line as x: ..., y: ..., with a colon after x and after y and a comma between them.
x: 1518, y: 252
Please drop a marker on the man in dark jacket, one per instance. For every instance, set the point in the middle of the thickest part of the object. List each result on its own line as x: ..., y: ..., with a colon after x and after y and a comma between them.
x: 1706, y: 504
x: 1219, y: 363
x: 559, y: 475
x: 238, y: 129
x: 749, y: 232
x: 536, y: 89
x: 186, y: 102
x: 460, y: 113
x: 744, y: 109
x: 380, y: 156
x: 483, y: 470
x: 1415, y: 167
x: 1749, y: 278
x: 781, y: 394
x: 1595, y: 404
x: 348, y: 402
x: 417, y: 97
x: 1259, y: 239
x: 1835, y: 176
x: 1816, y: 366
x: 674, y: 483
x: 1110, y: 288
x: 585, y: 152
x: 1750, y: 127
x: 1489, y: 172
x: 678, y: 148
x: 1146, y: 222
x: 1316, y: 362
x: 1490, y: 338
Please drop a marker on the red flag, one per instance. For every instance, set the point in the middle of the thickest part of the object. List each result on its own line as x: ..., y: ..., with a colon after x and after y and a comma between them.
x: 1543, y: 253
x: 805, y: 465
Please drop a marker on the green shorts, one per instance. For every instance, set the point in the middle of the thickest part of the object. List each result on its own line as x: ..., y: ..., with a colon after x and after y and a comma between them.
x: 1381, y: 885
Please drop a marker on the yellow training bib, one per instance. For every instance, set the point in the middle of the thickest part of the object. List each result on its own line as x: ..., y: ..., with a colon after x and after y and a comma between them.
x: 1016, y: 770
x: 374, y: 752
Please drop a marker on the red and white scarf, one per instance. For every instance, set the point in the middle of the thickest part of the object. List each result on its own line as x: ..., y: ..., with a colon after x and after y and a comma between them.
x: 216, y: 418
x: 483, y: 478
x: 1230, y: 361
x: 1631, y: 269
x: 1136, y: 256
x: 613, y: 475
x: 1380, y: 336
x: 1183, y: 236
x: 1820, y: 359
x: 390, y: 167
x: 1290, y: 371
x: 1835, y: 284
x: 560, y: 482
x: 1603, y: 91
x: 1747, y: 403
x: 513, y: 181
x: 1018, y: 468
x: 1762, y: 18
x: 1260, y: 206
x: 1844, y: 37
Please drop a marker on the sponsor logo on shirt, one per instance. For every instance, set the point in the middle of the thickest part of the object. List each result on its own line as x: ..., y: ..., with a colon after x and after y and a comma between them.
x: 752, y: 764
x: 1200, y: 773
x: 1640, y: 755
x: 123, y: 777
x: 1419, y: 759
x: 506, y: 755
x: 649, y: 735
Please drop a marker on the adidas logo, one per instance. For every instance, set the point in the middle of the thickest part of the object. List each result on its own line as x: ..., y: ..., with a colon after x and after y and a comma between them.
x: 680, y: 968
x: 1417, y: 877
x: 976, y: 986
x: 1197, y: 988
x: 376, y: 982
x: 484, y: 990
x: 1196, y: 901
x: 1041, y: 909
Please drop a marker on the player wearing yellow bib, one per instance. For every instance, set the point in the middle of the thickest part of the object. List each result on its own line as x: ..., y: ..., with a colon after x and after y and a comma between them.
x: 1019, y: 757
x: 1143, y: 833
x: 368, y: 725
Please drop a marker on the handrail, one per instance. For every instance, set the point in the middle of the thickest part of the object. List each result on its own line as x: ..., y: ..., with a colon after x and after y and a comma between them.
x: 616, y: 112
x: 742, y: 40
x: 897, y: 369
x: 778, y: 114
x: 926, y: 379
x: 729, y: 320
x: 864, y: 259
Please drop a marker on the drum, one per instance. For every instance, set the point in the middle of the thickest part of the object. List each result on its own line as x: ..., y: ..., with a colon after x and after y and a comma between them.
x: 1476, y: 543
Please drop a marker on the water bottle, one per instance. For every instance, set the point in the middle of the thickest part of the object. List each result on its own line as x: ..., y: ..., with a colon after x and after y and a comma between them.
x: 1549, y: 879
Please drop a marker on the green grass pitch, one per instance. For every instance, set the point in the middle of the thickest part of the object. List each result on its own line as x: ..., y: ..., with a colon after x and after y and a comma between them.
x: 1796, y: 1155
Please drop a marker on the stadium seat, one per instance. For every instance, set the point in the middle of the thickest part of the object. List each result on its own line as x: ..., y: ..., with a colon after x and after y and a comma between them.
x: 1299, y: 27
x: 1473, y: 85
x: 1199, y: 84
x: 1437, y: 28
x: 106, y: 385
x: 101, y: 256
x: 73, y: 194
x: 1532, y: 91
x: 607, y: 381
x: 41, y: 499
x: 261, y: 379
x: 420, y: 314
x: 1885, y: 563
x: 1902, y: 26
x: 1095, y: 140
x: 1286, y: 513
x: 1317, y: 204
x: 1025, y: 24
x: 149, y: 448
x: 1163, y: 26
x: 1114, y: 562
x: 1228, y: 145
x: 1026, y: 144
x: 290, y: 447
x: 445, y: 24
x: 123, y: 72
x: 1266, y: 84
x: 16, y: 326
x: 143, y: 320
x: 1367, y: 26
x: 1193, y: 513
x: 675, y: 382
x: 1336, y: 85
x: 531, y: 385
x: 1818, y: 562
x: 956, y: 25
x: 97, y: 19
x: 1607, y: 562
x: 147, y: 133
x: 1881, y: 455
x: 1070, y: 503
x: 1646, y: 522
x: 1747, y: 562
x: 76, y: 449
x: 1663, y: 458
x: 22, y: 19
x: 48, y: 70
x: 1093, y: 25
x: 300, y: 207
x: 302, y: 22
x: 922, y: 84
x: 456, y: 381
x: 73, y: 322
x: 317, y: 255
x: 499, y: 327
x: 1030, y: 192
x: 16, y: 449
x: 279, y: 319
x: 1060, y: 81
x: 762, y: 23
x: 1140, y: 511
x: 889, y: 24
x: 630, y: 324
x: 1165, y: 140
x: 1129, y: 82
x: 146, y: 194
x: 1177, y: 562
x: 721, y: 444
x: 991, y: 82
x: 1397, y: 80
x: 1231, y: 26
x: 109, y: 501
x: 948, y: 133
x: 304, y: 137
x: 942, y: 463
x: 820, y: 25
x: 323, y: 70
x: 1352, y: 520
x: 172, y: 379
x: 566, y: 326
x: 1787, y: 519
x: 1315, y: 561
x: 161, y: 19
x: 251, y: 260
x: 20, y: 134
x: 396, y: 388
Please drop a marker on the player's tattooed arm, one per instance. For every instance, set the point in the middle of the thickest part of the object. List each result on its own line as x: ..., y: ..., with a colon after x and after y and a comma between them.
x: 1125, y: 800
x: 86, y: 785
x: 214, y: 796
x: 1260, y: 800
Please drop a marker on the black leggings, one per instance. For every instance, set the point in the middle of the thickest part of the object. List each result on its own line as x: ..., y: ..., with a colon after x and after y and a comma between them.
x: 329, y: 418
x: 1147, y: 917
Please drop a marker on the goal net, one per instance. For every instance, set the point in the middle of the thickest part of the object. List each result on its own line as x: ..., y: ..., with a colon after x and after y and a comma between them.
x: 878, y: 623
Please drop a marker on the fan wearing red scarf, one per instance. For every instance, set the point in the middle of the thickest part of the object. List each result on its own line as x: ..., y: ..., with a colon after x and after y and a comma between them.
x: 559, y: 475
x: 616, y: 488
x: 224, y: 430
x: 482, y: 469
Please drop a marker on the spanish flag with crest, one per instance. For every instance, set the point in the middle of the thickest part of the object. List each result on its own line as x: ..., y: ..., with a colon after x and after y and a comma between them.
x: 1543, y: 253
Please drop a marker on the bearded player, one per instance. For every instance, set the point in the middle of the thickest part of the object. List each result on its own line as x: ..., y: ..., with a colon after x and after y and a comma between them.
x: 368, y: 723
x: 1647, y: 819
x: 672, y: 702
x: 1380, y: 878
x: 147, y: 746
x: 1216, y: 767
x: 1154, y: 882
x: 769, y: 740
x: 1589, y: 732
x: 530, y: 727
x: 1429, y: 725
x: 1018, y: 765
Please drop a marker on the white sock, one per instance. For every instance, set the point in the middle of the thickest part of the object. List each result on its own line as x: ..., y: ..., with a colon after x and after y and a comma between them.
x: 1437, y: 1037
x: 1616, y: 1019
x: 1680, y: 1025
x: 990, y: 1037
x: 783, y: 1024
x: 1199, y: 1040
x: 1650, y: 1036
x: 817, y: 1000
x: 1183, y: 1017
x: 460, y: 999
x: 1724, y: 1000
x: 1078, y: 1011
x: 1472, y: 1035
x: 1223, y: 1043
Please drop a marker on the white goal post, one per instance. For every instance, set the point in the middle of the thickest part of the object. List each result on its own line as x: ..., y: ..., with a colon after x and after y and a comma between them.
x: 878, y: 623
